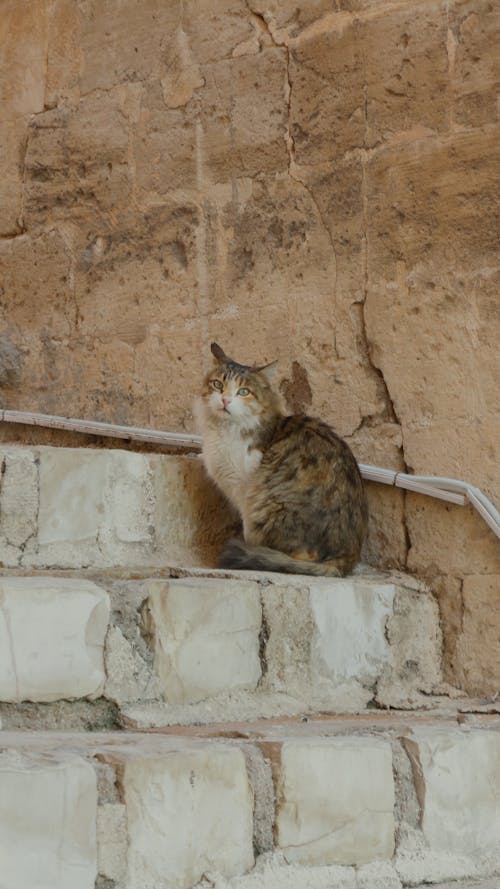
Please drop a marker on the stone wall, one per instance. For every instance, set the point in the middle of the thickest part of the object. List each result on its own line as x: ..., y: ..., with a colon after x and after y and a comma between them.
x: 310, y: 182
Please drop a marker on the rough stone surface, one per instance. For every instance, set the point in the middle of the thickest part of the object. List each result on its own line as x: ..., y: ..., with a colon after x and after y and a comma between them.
x: 341, y: 639
x: 77, y: 507
x: 335, y: 802
x: 226, y: 648
x: 209, y: 647
x: 112, y: 841
x: 47, y: 822
x: 51, y: 638
x: 206, y: 637
x: 19, y: 502
x: 176, y: 809
x: 350, y: 628
x: 128, y: 676
x: 273, y: 872
x: 188, y: 813
x: 457, y: 779
x: 313, y: 182
x: 377, y: 875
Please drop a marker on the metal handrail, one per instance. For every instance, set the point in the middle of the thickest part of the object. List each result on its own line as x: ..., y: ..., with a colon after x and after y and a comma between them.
x: 449, y: 489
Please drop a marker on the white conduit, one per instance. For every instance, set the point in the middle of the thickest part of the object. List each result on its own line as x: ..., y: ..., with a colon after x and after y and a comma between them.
x: 450, y: 489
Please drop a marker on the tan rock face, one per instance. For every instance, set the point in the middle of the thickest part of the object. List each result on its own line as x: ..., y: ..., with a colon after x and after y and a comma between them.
x: 296, y: 181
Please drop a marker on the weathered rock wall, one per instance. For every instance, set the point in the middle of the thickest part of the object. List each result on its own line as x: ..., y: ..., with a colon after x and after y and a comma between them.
x: 312, y: 182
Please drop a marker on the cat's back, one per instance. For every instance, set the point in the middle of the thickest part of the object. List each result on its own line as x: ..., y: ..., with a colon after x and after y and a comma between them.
x: 310, y: 446
x: 307, y: 493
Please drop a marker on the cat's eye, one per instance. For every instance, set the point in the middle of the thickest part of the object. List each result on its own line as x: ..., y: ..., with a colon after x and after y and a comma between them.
x: 217, y: 384
x: 243, y: 391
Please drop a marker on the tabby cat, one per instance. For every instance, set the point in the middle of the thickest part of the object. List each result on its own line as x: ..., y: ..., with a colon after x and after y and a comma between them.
x: 295, y: 483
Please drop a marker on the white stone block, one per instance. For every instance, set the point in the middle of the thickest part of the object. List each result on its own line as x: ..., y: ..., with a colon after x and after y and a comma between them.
x: 52, y: 634
x: 130, y: 504
x: 96, y: 508
x: 47, y: 823
x: 206, y: 636
x: 189, y: 813
x: 18, y: 498
x: 350, y: 617
x: 72, y: 485
x: 458, y: 783
x: 335, y: 801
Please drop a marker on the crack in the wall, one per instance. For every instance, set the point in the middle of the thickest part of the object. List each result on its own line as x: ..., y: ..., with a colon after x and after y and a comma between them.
x: 290, y: 141
x: 20, y: 220
x: 368, y: 346
x: 68, y: 249
x: 12, y: 237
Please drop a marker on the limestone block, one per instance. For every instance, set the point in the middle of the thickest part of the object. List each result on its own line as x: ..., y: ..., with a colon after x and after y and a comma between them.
x: 167, y: 144
x: 19, y: 256
x: 335, y: 801
x: 18, y: 498
x: 438, y: 401
x: 478, y: 645
x: 112, y: 841
x: 206, y: 636
x: 407, y: 83
x: 340, y: 640
x: 457, y: 777
x: 188, y: 813
x: 47, y: 823
x: 128, y: 677
x: 475, y: 71
x: 95, y: 507
x: 414, y: 634
x: 51, y: 638
x: 124, y: 48
x: 350, y: 617
x: 346, y: 93
x: 66, y: 155
x: 327, y: 98
x: 63, y: 57
x: 23, y: 36
x: 72, y: 484
x: 218, y: 31
x: 85, y: 506
x: 243, y: 130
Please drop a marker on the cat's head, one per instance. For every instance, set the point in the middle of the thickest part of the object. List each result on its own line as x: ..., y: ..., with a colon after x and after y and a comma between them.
x: 239, y: 393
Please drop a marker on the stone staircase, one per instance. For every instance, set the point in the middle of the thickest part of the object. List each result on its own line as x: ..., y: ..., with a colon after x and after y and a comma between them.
x: 166, y: 725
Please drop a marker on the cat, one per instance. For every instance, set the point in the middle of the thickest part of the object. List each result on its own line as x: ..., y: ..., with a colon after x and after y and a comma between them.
x: 294, y: 482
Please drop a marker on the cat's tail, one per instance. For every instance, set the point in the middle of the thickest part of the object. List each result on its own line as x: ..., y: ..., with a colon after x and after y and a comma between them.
x: 240, y: 555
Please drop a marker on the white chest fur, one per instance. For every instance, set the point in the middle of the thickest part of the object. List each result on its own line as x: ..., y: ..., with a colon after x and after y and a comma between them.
x: 230, y: 461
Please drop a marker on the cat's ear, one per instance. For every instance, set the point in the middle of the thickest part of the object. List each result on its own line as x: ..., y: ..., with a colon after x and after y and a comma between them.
x: 268, y: 371
x: 218, y: 352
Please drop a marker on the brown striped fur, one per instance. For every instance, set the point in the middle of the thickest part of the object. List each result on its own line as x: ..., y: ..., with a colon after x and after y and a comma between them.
x: 295, y: 483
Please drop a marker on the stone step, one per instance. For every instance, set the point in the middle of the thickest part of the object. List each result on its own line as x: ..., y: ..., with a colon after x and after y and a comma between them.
x: 324, y: 805
x: 80, y: 507
x: 209, y: 647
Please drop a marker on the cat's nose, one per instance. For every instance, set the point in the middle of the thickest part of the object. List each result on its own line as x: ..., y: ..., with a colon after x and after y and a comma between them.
x: 225, y: 401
